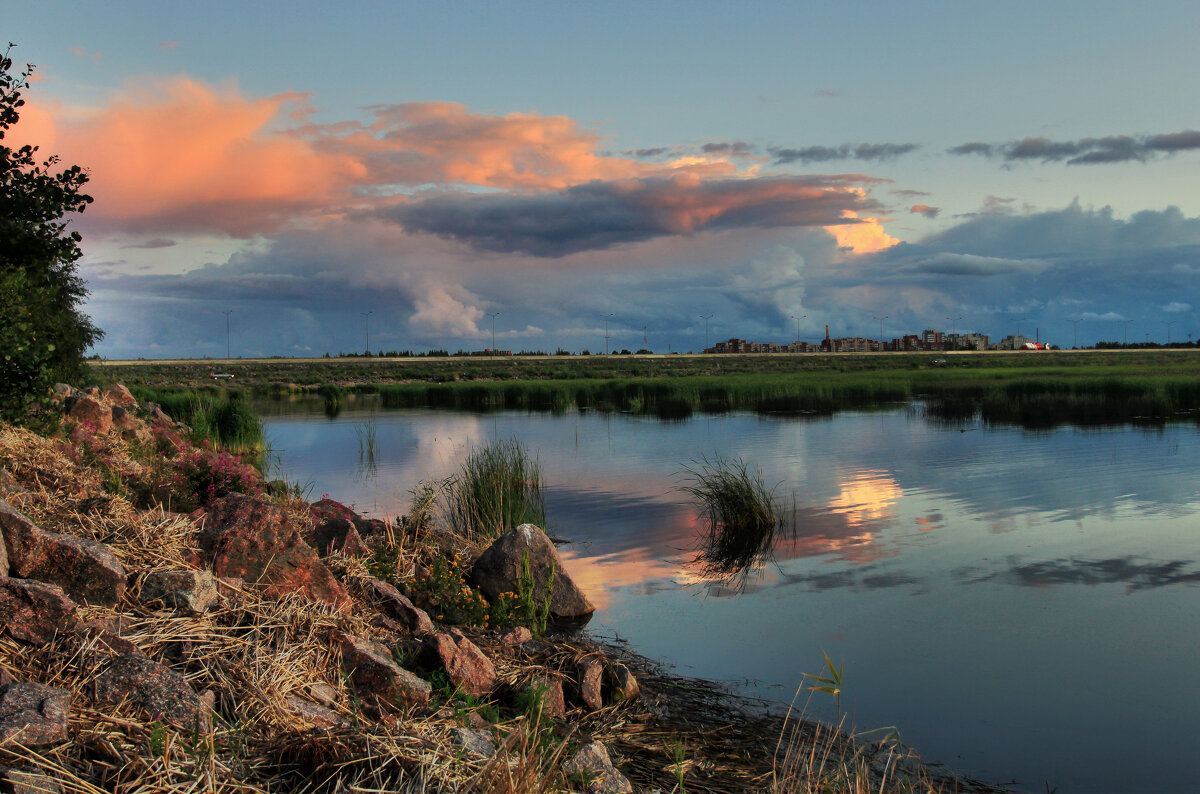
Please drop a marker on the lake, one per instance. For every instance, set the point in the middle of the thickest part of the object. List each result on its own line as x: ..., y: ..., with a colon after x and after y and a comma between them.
x: 1021, y: 606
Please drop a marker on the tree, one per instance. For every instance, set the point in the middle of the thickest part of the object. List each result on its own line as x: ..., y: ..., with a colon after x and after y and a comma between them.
x: 43, y: 330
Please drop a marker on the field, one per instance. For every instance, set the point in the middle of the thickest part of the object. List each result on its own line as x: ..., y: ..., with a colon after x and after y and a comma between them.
x: 1028, y: 388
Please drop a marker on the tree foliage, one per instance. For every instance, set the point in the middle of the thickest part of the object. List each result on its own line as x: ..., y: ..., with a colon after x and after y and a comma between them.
x: 43, y: 330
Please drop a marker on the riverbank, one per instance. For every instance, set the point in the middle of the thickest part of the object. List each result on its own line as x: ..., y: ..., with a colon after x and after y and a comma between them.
x: 256, y: 691
x: 1030, y: 389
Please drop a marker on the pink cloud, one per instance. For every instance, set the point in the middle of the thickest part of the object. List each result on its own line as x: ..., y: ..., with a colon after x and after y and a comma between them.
x: 180, y: 155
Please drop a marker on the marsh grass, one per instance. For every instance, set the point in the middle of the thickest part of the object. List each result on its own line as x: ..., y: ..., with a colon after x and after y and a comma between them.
x: 739, y: 514
x: 498, y: 488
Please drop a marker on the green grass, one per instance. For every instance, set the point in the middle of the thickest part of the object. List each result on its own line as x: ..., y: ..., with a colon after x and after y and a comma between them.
x: 223, y: 417
x: 499, y: 487
x: 739, y: 513
x: 1021, y: 388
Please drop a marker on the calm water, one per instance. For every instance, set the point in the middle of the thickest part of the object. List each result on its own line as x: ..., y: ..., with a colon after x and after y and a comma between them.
x: 1021, y: 606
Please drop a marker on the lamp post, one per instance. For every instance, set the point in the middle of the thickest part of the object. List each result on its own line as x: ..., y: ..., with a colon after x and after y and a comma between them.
x: 954, y: 323
x: 880, y: 319
x: 1126, y: 323
x: 227, y: 313
x: 706, y: 317
x: 610, y: 314
x: 367, y: 320
x: 1074, y: 332
x: 1169, y: 324
x: 493, y: 315
x: 798, y: 319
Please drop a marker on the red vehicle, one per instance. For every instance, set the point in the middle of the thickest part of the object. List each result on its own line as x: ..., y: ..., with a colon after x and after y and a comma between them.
x: 1035, y: 346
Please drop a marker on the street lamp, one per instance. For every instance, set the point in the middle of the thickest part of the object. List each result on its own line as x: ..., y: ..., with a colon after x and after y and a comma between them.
x: 493, y: 315
x: 367, y: 320
x: 1169, y: 324
x: 1074, y: 332
x: 610, y: 314
x: 227, y: 313
x: 880, y: 319
x: 706, y: 317
x: 798, y: 319
x: 954, y: 324
x: 1126, y: 323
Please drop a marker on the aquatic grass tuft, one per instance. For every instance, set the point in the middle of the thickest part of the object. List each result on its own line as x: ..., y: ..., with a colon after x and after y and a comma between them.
x: 498, y: 488
x: 740, y: 513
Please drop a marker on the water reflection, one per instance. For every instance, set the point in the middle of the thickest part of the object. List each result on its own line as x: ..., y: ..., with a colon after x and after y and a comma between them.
x: 968, y: 565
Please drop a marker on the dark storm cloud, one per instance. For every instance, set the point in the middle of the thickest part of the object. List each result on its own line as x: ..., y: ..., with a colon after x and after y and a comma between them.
x: 1087, y: 151
x: 603, y: 214
x: 730, y: 148
x: 847, y: 151
x: 656, y: 151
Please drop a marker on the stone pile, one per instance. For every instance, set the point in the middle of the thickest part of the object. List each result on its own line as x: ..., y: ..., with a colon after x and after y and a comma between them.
x: 48, y: 579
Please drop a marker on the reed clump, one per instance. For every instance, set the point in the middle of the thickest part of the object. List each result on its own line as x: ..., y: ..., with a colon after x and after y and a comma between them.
x: 739, y: 514
x: 498, y: 488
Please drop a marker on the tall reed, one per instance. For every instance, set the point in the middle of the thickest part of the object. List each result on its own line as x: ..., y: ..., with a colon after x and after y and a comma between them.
x: 498, y: 488
x: 740, y: 515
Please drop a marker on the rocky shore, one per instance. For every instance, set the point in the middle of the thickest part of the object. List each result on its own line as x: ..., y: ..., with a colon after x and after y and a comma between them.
x: 169, y: 620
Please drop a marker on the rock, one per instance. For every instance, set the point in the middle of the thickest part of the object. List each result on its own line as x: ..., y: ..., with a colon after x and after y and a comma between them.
x: 322, y: 693
x: 22, y: 781
x: 88, y: 410
x: 317, y: 716
x: 33, y: 714
x: 63, y: 389
x: 469, y: 670
x: 476, y: 743
x: 338, y: 536
x: 255, y: 540
x: 593, y: 765
x: 373, y: 672
x: 498, y: 568
x: 117, y: 394
x: 551, y: 692
x: 159, y: 691
x: 398, y: 607
x: 516, y: 636
x: 9, y: 487
x: 86, y: 570
x: 591, y: 675
x: 33, y: 612
x: 624, y: 683
x: 156, y: 415
x: 195, y: 592
x: 368, y: 527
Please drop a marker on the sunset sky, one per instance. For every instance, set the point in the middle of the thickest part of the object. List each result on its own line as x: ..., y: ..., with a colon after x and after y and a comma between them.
x: 951, y: 165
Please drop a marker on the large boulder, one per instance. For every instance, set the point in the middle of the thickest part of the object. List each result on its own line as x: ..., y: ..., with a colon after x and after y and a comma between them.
x: 254, y: 540
x: 160, y: 692
x: 86, y: 570
x: 33, y: 715
x: 497, y: 571
x: 33, y: 612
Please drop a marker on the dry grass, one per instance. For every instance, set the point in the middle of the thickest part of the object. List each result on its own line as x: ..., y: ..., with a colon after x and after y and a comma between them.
x: 253, y: 653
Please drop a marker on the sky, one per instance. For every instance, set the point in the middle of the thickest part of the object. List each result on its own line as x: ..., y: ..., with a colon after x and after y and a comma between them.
x: 290, y: 178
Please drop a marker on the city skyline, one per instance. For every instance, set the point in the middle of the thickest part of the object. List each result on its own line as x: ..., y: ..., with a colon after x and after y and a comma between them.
x: 530, y: 176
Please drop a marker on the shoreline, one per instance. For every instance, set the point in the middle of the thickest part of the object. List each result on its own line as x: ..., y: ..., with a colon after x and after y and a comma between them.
x: 256, y: 686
